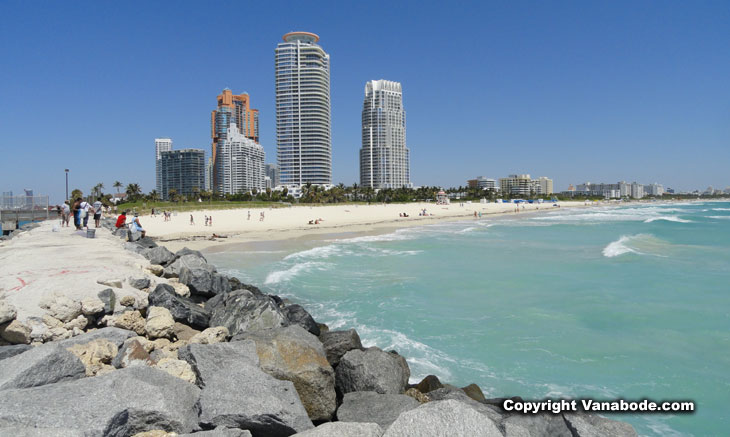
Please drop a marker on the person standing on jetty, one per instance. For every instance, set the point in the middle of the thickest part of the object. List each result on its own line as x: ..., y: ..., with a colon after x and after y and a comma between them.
x: 65, y: 213
x: 77, y: 213
x: 85, y: 207
x: 97, y: 211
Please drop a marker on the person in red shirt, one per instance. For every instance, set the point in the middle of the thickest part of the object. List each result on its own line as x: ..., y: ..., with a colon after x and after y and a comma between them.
x: 121, y: 219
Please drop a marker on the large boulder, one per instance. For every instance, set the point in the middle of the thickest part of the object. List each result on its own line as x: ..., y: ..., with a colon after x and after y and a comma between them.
x: 453, y: 393
x: 338, y: 343
x: 160, y: 323
x: 120, y: 403
x: 368, y: 406
x: 343, y: 429
x: 183, y: 310
x: 207, y: 360
x: 372, y: 369
x: 241, y: 311
x: 293, y: 354
x: 185, y: 251
x: 40, y: 366
x: 159, y: 255
x: 204, y: 282
x: 588, y: 425
x: 11, y: 351
x: 240, y: 395
x: 443, y: 418
x: 297, y: 315
x: 189, y: 261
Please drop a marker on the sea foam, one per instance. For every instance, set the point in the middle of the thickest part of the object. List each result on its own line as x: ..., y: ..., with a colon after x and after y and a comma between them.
x: 668, y: 219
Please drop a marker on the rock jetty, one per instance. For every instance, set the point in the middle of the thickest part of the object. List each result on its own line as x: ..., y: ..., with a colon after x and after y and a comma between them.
x: 193, y: 352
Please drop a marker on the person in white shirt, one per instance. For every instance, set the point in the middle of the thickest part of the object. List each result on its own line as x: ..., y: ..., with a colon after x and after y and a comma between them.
x: 84, y: 210
x: 97, y: 211
x: 65, y: 213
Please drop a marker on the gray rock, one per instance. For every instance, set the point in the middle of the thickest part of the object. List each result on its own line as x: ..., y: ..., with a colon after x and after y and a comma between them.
x: 371, y: 407
x: 538, y: 424
x: 110, y: 300
x: 204, y: 282
x: 242, y: 396
x: 132, y: 353
x: 159, y: 255
x: 114, y: 335
x: 147, y: 243
x: 372, y: 370
x: 338, y: 343
x: 587, y: 425
x: 185, y: 251
x: 443, y: 418
x: 293, y: 354
x: 183, y: 310
x: 121, y: 232
x: 429, y: 384
x: 40, y: 366
x: 208, y: 360
x: 240, y: 311
x: 11, y: 351
x: 120, y: 403
x: 450, y: 392
x: 7, y: 311
x: 139, y: 283
x: 132, y: 245
x: 343, y: 429
x: 299, y: 316
x: 190, y: 261
x: 219, y: 432
x: 15, y: 430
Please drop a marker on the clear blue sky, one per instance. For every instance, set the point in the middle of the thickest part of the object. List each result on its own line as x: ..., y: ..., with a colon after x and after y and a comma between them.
x: 578, y: 91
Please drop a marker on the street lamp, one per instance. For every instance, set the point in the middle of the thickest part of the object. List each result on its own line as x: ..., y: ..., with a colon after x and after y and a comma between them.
x: 66, y: 184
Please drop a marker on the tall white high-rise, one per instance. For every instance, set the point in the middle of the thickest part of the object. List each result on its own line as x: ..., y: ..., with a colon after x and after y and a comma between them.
x: 384, y: 157
x: 239, y: 164
x: 161, y: 145
x: 303, y: 132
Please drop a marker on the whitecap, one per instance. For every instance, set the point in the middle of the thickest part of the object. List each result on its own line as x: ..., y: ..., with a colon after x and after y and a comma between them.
x: 668, y: 219
x: 719, y: 209
x: 639, y: 244
x: 719, y: 217
x: 286, y: 275
x: 317, y: 252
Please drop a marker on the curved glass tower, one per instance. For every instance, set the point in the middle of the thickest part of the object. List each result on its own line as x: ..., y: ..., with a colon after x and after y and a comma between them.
x: 304, y: 146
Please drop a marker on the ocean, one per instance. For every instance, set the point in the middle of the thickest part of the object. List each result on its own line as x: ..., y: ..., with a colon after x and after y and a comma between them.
x: 625, y: 302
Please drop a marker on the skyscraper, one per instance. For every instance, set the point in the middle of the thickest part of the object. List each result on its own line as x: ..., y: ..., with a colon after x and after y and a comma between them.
x: 182, y: 170
x: 240, y: 164
x: 304, y: 146
x: 232, y: 109
x: 384, y: 157
x: 161, y: 145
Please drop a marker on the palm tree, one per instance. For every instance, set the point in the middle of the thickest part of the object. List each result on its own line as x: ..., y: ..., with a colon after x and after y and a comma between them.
x: 172, y: 195
x: 133, y: 191
x: 154, y: 196
x: 118, y: 185
x: 75, y: 194
x: 100, y: 187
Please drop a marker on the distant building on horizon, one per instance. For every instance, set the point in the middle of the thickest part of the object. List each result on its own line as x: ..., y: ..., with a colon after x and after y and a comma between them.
x: 240, y: 164
x: 303, y: 129
x: 384, y: 157
x: 483, y: 183
x: 516, y: 185
x: 161, y: 145
x: 232, y: 109
x: 182, y: 170
x: 272, y: 172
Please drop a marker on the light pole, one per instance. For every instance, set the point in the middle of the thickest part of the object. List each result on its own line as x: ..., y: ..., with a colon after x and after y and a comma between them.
x: 66, y: 184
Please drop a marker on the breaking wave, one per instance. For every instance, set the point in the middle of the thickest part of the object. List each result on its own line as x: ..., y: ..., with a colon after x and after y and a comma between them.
x: 286, y: 275
x: 668, y: 219
x: 639, y: 244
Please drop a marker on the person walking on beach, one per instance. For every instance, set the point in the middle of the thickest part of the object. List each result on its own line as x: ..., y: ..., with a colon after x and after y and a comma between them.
x: 77, y: 213
x: 206, y: 221
x: 85, y: 208
x: 262, y: 216
x: 65, y: 213
x: 210, y: 221
x: 192, y: 222
x: 97, y: 211
x: 249, y: 215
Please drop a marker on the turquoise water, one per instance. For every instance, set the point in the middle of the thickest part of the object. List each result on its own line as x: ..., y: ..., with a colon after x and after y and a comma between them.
x: 627, y: 302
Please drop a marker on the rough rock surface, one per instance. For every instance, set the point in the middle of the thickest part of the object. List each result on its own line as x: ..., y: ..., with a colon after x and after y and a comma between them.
x: 220, y: 432
x: 338, y: 343
x: 417, y: 395
x: 92, y: 306
x: 132, y: 353
x: 429, y: 384
x: 242, y: 311
x: 15, y: 332
x: 343, y: 429
x: 207, y: 360
x: 7, y: 312
x: 297, y: 315
x: 130, y: 320
x: 474, y: 392
x: 96, y: 355
x: 371, y: 407
x: 185, y: 251
x: 11, y: 351
x: 178, y: 368
x: 183, y: 310
x: 204, y: 282
x: 189, y: 261
x: 585, y: 425
x: 295, y: 355
x: 61, y: 307
x: 443, y: 418
x: 541, y: 424
x: 114, y: 335
x: 454, y: 393
x: 121, y: 403
x: 216, y: 334
x: 139, y: 283
x: 39, y: 366
x: 184, y: 332
x: 110, y: 300
x: 114, y: 283
x: 160, y: 323
x: 159, y: 255
x: 372, y: 370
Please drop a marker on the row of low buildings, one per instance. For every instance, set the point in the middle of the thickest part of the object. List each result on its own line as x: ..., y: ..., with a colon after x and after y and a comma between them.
x: 618, y: 190
x: 521, y: 185
x: 303, y: 134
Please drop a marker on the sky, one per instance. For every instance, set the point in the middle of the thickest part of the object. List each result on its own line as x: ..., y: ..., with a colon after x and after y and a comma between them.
x: 576, y: 91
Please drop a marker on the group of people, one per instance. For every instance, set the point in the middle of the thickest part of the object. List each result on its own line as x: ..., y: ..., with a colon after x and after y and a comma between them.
x: 315, y: 222
x: 134, y: 225
x: 81, y: 211
x: 403, y: 214
x: 208, y: 221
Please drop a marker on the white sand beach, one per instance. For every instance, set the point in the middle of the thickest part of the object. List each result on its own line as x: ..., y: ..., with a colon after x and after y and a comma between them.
x: 293, y: 222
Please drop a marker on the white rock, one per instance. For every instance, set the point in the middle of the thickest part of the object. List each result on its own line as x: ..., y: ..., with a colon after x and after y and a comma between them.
x: 217, y: 334
x: 115, y: 283
x: 61, y: 307
x: 92, y: 306
x: 177, y: 368
x: 79, y: 322
x: 159, y: 323
x: 7, y: 312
